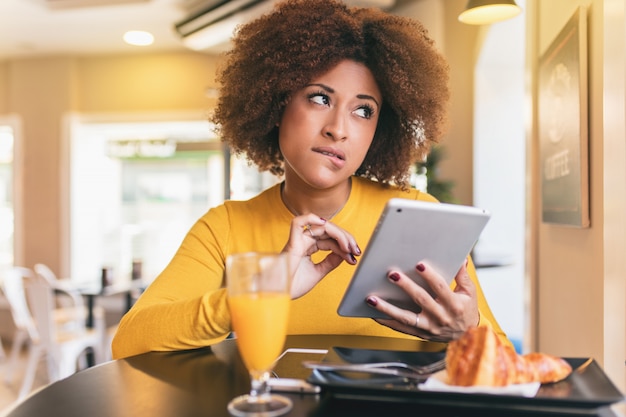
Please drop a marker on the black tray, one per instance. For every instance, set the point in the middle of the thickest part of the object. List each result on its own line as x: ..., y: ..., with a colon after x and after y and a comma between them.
x: 582, y: 393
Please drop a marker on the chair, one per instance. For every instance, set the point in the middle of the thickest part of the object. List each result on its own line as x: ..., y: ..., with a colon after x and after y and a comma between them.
x: 64, y: 284
x: 69, y: 302
x: 13, y: 289
x: 63, y: 346
x: 71, y: 306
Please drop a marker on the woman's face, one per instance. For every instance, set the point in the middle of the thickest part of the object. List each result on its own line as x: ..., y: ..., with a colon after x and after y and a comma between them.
x: 328, y: 126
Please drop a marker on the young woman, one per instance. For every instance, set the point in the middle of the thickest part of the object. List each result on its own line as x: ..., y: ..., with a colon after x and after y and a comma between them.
x: 340, y: 102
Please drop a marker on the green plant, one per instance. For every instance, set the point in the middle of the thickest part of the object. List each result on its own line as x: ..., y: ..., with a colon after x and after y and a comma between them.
x: 440, y: 189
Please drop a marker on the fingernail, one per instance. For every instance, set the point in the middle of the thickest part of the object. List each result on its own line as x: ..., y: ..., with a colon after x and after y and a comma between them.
x: 395, y: 277
x: 352, y: 258
x: 420, y: 267
x: 371, y: 301
x: 358, y: 250
x: 323, y: 219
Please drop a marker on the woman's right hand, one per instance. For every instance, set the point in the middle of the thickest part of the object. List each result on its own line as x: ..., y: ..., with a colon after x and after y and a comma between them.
x: 309, y: 234
x: 445, y: 314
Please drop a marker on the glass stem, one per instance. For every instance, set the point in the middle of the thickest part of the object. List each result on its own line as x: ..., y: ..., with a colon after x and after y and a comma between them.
x: 260, y: 387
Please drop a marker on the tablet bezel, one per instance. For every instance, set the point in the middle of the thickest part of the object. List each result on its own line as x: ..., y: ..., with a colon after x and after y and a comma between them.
x: 409, y: 232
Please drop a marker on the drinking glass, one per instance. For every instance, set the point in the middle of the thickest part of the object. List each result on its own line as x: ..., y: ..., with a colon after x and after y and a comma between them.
x: 258, y: 286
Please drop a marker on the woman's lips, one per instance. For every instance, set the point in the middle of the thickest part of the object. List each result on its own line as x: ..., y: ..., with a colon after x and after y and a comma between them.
x: 337, y: 157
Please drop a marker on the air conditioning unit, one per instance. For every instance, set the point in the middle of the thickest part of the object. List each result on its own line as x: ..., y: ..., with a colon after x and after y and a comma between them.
x: 210, y: 28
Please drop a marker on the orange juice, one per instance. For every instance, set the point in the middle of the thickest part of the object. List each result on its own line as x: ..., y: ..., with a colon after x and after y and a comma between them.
x: 260, y: 322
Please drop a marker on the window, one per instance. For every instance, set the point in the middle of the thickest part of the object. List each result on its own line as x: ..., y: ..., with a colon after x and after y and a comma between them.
x: 137, y: 188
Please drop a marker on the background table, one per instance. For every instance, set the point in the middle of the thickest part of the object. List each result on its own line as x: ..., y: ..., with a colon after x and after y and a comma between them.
x: 202, y: 382
x: 127, y: 289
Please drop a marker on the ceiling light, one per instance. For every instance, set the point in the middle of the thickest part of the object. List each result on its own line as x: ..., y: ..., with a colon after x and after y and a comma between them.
x: 482, y: 12
x: 138, y: 38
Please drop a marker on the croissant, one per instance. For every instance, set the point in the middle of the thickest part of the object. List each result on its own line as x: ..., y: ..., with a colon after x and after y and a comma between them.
x: 480, y: 358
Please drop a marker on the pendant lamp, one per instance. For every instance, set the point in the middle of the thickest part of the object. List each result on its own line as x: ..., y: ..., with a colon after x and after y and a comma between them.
x: 483, y: 12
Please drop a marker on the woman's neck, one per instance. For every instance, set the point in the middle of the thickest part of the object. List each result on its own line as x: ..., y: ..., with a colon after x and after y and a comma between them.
x: 324, y: 203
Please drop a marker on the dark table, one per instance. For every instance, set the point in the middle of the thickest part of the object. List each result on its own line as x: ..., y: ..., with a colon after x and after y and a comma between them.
x: 201, y: 383
x: 126, y: 289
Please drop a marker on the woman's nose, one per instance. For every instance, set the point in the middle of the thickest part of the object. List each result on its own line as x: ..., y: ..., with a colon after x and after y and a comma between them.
x: 336, y: 126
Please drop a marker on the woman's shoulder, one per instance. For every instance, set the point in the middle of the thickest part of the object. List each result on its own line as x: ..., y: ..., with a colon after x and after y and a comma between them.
x: 370, y: 190
x: 266, y: 201
x: 231, y: 216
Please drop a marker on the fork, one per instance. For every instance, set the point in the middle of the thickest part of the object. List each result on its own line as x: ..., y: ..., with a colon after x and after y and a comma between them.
x: 400, y: 369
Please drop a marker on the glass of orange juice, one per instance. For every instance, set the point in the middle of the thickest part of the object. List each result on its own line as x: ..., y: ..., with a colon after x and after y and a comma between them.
x: 258, y: 286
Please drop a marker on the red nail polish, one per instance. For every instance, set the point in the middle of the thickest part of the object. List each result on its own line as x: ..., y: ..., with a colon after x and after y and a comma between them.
x: 371, y: 301
x: 353, y: 258
x: 420, y: 267
x: 395, y: 277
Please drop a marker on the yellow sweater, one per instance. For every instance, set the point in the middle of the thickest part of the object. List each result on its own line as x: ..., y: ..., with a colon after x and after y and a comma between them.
x: 185, y: 307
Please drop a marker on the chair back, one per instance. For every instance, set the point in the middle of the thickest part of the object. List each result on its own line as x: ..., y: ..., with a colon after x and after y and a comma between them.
x: 46, y: 273
x: 40, y: 296
x: 67, y: 297
x: 13, y: 280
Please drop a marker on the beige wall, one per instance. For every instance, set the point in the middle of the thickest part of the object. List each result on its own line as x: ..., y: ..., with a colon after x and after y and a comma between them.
x: 460, y: 49
x: 160, y: 82
x: 578, y: 308
x: 3, y: 87
x: 40, y: 93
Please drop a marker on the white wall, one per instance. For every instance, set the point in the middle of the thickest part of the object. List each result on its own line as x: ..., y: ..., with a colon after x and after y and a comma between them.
x: 499, y: 170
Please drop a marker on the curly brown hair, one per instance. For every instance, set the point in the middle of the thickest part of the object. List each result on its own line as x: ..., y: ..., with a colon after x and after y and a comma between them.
x: 280, y: 52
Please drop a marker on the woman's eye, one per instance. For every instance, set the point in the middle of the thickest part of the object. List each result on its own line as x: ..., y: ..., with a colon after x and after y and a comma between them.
x: 319, y: 98
x: 365, y: 112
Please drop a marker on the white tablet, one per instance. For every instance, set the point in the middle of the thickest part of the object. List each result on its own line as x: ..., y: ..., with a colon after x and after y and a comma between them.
x: 409, y: 232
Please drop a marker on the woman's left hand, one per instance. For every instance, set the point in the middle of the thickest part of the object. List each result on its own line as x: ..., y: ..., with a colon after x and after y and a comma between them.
x: 444, y: 316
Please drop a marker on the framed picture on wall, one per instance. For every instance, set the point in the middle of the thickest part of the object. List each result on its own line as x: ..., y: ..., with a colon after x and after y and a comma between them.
x: 563, y: 126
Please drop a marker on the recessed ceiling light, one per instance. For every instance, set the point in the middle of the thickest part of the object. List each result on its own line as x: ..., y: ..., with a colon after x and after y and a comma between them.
x: 138, y: 38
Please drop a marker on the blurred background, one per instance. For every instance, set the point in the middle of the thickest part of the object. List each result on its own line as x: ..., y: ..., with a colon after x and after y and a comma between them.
x: 106, y: 155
